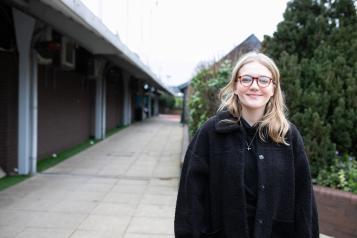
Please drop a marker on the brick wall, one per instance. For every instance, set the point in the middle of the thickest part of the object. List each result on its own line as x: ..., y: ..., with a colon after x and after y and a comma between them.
x: 337, y: 212
x: 65, y: 110
x: 8, y: 110
x: 114, y: 102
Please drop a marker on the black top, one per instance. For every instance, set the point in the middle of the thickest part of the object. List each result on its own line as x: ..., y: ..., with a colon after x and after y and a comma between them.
x: 250, y: 173
x: 211, y: 193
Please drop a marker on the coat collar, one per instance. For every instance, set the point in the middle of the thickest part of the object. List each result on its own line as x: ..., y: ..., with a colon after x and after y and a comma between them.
x: 222, y: 126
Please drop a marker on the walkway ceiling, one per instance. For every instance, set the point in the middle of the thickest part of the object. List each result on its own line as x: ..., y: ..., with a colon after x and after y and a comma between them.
x: 73, y: 19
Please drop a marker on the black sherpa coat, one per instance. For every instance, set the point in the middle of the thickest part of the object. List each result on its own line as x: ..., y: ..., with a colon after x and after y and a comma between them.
x: 211, y: 197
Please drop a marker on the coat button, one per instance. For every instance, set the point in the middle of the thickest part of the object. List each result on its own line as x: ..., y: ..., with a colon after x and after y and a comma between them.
x: 262, y: 187
x: 260, y: 221
x: 261, y: 156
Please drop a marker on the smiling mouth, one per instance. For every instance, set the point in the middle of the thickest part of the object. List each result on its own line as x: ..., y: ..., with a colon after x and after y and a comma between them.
x: 253, y: 95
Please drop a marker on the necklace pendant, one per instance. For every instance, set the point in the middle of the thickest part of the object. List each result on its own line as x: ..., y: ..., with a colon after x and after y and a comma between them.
x: 248, y: 148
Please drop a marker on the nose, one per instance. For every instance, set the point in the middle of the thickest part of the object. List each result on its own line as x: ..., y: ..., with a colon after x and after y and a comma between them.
x: 254, y: 84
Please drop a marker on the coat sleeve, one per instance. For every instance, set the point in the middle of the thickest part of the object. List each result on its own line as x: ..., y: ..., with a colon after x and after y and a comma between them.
x: 306, y: 217
x: 191, y: 206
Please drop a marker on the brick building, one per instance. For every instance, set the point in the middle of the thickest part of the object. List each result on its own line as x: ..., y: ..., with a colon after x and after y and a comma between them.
x: 65, y: 78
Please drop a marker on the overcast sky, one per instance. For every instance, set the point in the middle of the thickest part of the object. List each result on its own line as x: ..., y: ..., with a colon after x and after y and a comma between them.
x: 173, y: 36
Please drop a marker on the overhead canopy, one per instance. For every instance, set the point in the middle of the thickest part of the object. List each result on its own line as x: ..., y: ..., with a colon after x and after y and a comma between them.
x: 73, y: 19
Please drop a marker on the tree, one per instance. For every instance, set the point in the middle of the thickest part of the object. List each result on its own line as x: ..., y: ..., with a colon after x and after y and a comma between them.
x: 205, y: 85
x: 315, y: 48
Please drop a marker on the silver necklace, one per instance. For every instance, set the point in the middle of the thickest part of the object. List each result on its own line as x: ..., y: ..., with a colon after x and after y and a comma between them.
x: 248, y: 145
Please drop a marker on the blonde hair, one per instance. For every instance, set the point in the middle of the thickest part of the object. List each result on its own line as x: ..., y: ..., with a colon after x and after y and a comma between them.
x: 274, y: 118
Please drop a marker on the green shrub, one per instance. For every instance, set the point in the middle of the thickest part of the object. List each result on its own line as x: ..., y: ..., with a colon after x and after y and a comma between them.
x: 342, y: 174
x: 167, y: 101
x: 204, y: 101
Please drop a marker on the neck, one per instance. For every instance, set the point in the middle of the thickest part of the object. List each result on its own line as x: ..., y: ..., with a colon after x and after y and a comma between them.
x: 252, y: 116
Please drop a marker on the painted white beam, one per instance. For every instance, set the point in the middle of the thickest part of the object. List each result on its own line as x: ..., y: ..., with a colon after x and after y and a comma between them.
x: 24, y: 26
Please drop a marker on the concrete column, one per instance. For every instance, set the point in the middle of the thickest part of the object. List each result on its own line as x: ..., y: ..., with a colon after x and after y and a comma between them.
x: 33, y: 114
x: 127, y: 99
x: 100, y: 100
x: 156, y: 105
x: 149, y: 106
x: 24, y: 26
x: 130, y: 103
x: 143, y: 106
x: 104, y: 107
x: 99, y: 108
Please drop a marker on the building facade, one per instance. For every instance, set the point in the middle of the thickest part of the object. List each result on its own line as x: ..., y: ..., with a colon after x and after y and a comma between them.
x: 65, y: 78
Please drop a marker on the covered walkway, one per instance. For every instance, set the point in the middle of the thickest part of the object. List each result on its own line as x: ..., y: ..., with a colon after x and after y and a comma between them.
x: 125, y: 186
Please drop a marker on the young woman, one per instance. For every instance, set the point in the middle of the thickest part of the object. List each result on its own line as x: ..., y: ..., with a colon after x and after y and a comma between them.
x: 245, y: 172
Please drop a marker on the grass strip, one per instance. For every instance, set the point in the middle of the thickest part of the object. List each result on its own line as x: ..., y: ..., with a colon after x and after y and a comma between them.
x: 11, y: 180
x: 114, y: 130
x: 53, y: 160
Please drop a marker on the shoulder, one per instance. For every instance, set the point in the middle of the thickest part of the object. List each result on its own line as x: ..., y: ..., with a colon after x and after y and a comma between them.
x: 222, y: 122
x: 209, y: 125
x: 210, y: 130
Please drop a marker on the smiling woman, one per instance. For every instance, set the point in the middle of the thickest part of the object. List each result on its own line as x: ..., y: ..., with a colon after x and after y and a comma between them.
x: 254, y: 92
x: 235, y: 183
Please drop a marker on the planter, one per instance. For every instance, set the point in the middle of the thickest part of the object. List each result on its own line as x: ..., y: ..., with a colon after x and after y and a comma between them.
x: 337, y: 212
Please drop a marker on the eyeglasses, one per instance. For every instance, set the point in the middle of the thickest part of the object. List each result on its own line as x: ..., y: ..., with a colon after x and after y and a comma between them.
x: 262, y: 81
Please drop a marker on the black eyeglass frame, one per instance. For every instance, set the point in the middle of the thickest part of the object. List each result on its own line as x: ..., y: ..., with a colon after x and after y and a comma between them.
x: 255, y: 78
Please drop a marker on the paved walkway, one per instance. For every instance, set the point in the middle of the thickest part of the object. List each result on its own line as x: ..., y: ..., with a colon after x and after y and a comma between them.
x: 125, y: 186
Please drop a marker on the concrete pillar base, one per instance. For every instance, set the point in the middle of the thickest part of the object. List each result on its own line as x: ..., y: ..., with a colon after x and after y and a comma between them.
x: 2, y: 173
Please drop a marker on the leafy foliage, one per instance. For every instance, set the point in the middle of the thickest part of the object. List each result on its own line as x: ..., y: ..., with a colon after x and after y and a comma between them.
x: 167, y: 101
x: 205, y: 87
x: 315, y: 49
x: 342, y: 174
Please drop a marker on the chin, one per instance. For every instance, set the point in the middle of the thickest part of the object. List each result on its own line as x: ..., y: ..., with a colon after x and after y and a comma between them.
x: 254, y: 106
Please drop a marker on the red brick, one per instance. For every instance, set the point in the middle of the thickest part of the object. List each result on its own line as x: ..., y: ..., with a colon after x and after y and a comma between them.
x: 337, y: 212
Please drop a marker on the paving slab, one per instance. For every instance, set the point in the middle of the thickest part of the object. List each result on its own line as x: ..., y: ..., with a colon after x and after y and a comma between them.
x: 124, y: 186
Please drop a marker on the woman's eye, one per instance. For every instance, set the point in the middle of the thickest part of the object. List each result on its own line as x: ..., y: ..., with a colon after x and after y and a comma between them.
x: 246, y: 79
x: 264, y: 80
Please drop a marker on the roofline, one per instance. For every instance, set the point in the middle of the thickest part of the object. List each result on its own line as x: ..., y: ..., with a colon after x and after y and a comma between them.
x: 75, y: 11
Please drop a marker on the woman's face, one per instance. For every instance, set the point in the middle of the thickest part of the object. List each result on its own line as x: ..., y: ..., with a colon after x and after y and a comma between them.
x: 254, y: 97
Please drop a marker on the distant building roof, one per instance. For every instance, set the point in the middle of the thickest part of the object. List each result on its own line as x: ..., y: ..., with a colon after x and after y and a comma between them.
x: 184, y: 85
x: 251, y: 43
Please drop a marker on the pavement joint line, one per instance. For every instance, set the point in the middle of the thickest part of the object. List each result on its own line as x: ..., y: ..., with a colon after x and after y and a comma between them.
x: 136, y: 208
x: 145, y: 233
x: 108, y: 176
x: 149, y: 177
